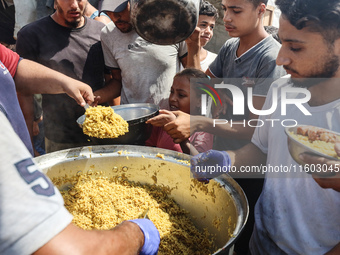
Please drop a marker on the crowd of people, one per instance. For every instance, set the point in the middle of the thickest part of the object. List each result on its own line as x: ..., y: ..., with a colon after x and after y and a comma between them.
x: 81, y: 53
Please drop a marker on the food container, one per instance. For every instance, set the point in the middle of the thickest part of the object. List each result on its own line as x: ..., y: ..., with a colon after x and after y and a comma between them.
x: 295, y: 146
x: 222, y: 200
x: 165, y: 22
x: 135, y: 115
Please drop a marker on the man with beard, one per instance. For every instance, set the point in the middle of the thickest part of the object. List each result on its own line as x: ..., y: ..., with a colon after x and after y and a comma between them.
x: 294, y: 215
x: 142, y: 71
x: 68, y: 42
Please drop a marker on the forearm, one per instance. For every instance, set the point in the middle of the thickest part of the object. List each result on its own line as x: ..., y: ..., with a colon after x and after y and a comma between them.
x: 194, y: 48
x: 125, y: 239
x: 249, y: 155
x: 188, y: 148
x: 109, y: 92
x: 33, y: 78
x: 222, y: 128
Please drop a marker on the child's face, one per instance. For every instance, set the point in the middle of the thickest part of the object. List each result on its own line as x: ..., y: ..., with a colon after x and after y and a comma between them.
x: 179, y: 98
x: 240, y: 17
x: 206, y: 24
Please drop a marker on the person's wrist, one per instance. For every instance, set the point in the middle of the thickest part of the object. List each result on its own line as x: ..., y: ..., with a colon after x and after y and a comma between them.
x: 151, y: 236
x: 198, y: 123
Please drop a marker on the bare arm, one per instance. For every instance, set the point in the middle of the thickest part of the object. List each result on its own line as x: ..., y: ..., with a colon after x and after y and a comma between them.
x: 33, y: 78
x: 188, y: 148
x: 112, y: 88
x: 185, y: 125
x: 248, y: 155
x: 125, y: 239
x: 193, y: 44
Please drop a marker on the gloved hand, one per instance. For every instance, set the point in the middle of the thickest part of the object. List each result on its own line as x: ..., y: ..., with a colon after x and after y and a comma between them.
x: 151, y: 236
x: 210, y: 164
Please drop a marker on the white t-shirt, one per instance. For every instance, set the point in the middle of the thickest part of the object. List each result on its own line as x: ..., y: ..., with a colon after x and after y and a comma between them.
x: 32, y: 210
x: 294, y: 215
x: 208, y: 60
x: 147, y: 69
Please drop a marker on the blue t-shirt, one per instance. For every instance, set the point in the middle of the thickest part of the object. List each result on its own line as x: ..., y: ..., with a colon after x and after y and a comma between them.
x: 256, y: 68
x: 9, y: 103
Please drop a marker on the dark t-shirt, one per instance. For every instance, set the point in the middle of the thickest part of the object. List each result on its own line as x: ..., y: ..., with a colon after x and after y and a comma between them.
x: 76, y: 53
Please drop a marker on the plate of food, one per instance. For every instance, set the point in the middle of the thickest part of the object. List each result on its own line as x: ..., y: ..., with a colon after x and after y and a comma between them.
x: 313, y: 140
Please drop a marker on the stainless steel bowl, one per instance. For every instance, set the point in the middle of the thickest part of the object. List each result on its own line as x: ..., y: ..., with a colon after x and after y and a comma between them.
x: 135, y: 115
x: 222, y: 200
x: 295, y: 147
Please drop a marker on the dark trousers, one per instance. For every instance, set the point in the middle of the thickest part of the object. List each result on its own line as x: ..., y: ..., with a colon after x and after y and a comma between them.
x: 252, y: 188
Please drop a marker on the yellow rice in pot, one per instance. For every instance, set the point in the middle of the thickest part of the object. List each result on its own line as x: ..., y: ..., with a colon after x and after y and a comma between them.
x: 99, y: 202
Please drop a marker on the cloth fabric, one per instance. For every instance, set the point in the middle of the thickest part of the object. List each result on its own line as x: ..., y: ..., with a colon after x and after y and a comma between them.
x: 294, y: 215
x: 257, y: 66
x: 32, y: 209
x: 147, y: 69
x: 76, y: 53
x: 7, y: 22
x: 205, y: 63
x: 159, y: 138
x: 9, y: 103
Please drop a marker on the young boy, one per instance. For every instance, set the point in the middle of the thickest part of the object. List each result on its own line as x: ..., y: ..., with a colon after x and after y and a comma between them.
x: 208, y: 15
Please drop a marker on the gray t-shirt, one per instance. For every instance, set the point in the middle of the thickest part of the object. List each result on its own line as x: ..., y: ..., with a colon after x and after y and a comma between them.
x: 32, y: 209
x: 147, y: 69
x: 256, y: 68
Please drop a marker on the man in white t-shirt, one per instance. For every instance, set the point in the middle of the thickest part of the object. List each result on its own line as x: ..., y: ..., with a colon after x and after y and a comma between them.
x: 295, y: 214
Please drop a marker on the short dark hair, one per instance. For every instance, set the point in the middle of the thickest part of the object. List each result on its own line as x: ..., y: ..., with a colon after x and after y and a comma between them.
x: 208, y: 9
x: 319, y: 16
x: 196, y: 74
x: 258, y: 2
x: 191, y: 73
x: 273, y: 31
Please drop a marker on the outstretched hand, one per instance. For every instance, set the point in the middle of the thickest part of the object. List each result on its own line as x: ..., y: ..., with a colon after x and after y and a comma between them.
x: 162, y: 119
x: 80, y: 92
x: 179, y: 128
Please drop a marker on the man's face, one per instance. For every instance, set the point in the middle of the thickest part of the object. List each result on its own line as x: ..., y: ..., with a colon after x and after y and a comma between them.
x: 240, y: 17
x: 206, y: 24
x: 122, y: 19
x: 305, y: 54
x: 69, y: 13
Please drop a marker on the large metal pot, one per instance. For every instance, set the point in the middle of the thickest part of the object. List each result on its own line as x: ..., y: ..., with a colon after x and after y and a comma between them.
x: 165, y: 22
x: 222, y: 200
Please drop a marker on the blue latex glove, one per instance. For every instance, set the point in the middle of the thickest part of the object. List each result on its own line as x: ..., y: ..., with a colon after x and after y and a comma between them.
x: 210, y: 164
x: 151, y: 236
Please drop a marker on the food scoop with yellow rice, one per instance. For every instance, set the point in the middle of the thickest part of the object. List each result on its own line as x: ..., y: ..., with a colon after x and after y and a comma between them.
x: 125, y: 124
x: 103, y: 122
